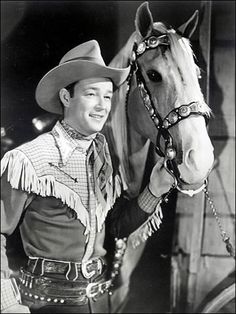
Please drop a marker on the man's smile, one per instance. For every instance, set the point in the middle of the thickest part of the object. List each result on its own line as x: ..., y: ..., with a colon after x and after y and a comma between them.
x: 97, y: 116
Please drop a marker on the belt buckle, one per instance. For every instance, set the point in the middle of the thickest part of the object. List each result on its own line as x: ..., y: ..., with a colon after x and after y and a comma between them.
x: 85, y: 271
x: 89, y: 288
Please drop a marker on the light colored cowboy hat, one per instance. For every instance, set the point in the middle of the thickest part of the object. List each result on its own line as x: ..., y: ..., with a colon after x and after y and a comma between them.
x: 82, y: 62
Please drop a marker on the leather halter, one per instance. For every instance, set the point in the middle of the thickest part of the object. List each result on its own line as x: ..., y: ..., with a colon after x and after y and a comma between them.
x: 171, y: 119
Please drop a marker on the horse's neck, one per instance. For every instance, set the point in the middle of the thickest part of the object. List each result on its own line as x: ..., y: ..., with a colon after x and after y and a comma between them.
x: 138, y: 152
x: 128, y: 149
x: 133, y: 171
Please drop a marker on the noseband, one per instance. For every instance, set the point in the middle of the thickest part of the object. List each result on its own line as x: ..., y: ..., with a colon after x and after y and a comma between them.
x: 172, y: 118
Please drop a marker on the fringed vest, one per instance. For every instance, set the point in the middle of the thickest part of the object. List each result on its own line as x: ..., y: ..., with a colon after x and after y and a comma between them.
x: 29, y: 168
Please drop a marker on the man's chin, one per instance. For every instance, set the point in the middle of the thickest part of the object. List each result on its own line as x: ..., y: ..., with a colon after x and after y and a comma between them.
x: 97, y: 127
x: 94, y: 131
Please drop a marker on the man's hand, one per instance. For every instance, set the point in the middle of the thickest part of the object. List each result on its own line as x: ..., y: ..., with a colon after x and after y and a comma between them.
x: 16, y: 308
x: 160, y: 180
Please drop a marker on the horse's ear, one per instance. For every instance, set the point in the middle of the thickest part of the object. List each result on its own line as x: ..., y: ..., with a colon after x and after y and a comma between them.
x: 143, y: 20
x: 188, y: 28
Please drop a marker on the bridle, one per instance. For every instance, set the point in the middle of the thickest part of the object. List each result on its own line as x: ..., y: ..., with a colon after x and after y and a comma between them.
x: 172, y: 118
x: 163, y: 125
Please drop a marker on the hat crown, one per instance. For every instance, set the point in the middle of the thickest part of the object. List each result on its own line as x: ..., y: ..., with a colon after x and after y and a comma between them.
x: 82, y: 62
x: 88, y: 51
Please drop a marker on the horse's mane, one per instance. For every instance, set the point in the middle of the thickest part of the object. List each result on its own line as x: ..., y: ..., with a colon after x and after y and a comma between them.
x: 118, y: 118
x: 181, y: 60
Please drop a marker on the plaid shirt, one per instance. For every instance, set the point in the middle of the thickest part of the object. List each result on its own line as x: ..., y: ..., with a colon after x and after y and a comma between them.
x: 76, y: 171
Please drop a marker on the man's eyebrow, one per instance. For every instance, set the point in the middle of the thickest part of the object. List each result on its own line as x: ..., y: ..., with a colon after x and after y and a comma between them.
x: 110, y: 91
x: 97, y: 89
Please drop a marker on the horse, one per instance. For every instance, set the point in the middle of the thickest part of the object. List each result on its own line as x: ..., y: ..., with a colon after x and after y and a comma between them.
x: 160, y: 105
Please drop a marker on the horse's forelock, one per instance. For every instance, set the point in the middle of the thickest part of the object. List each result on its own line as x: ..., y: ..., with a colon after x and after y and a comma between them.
x: 160, y: 27
x: 184, y: 66
x: 182, y: 59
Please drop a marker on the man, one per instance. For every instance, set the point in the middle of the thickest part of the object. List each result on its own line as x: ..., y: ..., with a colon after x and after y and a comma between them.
x: 61, y: 186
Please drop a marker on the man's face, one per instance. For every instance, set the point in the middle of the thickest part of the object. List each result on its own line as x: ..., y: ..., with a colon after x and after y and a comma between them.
x: 88, y: 109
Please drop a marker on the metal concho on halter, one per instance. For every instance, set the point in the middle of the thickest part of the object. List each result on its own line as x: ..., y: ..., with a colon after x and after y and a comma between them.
x: 151, y: 43
x: 173, y: 117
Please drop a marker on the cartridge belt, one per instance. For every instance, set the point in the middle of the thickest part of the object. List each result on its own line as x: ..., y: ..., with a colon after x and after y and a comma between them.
x: 50, y: 290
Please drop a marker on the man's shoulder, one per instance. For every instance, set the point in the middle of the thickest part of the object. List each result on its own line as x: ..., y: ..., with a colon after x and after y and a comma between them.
x: 39, y: 145
x: 37, y: 151
x: 35, y: 154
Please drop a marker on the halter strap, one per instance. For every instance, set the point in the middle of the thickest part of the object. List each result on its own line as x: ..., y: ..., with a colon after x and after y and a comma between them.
x: 172, y: 118
x: 151, y: 43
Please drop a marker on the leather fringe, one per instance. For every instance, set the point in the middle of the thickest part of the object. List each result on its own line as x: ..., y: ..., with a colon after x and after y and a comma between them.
x: 151, y: 225
x: 21, y: 175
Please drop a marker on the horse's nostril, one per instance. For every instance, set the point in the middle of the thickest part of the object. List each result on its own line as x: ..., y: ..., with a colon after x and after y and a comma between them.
x: 191, y: 159
x: 198, y: 160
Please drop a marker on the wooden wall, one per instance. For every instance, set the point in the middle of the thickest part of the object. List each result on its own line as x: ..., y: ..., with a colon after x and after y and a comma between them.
x: 200, y: 260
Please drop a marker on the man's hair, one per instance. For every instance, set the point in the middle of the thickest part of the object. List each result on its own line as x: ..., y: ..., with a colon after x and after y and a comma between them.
x: 71, y: 90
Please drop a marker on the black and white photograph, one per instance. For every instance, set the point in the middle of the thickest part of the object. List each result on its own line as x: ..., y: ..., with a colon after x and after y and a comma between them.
x: 117, y: 156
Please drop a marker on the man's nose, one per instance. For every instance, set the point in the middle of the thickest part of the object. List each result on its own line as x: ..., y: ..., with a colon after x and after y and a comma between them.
x: 101, y: 103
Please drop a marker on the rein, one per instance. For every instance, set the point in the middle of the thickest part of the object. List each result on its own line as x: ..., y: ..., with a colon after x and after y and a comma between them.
x: 163, y: 125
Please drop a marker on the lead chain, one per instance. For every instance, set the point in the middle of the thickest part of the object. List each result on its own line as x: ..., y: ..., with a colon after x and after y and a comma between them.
x: 225, y: 238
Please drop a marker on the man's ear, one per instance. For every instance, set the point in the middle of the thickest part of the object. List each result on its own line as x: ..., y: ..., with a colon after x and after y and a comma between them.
x: 64, y: 97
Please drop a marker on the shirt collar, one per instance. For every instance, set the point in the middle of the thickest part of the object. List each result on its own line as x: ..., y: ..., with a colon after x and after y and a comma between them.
x: 66, y: 144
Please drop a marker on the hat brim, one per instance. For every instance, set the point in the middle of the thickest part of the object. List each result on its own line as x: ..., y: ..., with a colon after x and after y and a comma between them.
x: 47, y: 91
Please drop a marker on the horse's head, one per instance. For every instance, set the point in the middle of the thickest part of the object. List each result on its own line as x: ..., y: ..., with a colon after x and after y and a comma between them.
x: 165, y: 102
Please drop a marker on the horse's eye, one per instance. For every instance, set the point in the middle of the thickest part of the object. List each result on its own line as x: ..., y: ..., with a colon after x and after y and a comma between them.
x: 154, y: 76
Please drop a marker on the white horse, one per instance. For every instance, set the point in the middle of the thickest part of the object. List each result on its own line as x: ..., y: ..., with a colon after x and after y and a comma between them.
x: 161, y: 103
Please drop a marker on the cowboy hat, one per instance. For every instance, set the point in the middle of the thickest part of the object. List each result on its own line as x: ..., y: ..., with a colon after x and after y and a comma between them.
x: 82, y: 62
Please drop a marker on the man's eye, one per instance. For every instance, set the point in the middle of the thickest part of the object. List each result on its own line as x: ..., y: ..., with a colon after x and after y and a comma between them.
x: 90, y: 94
x: 107, y: 97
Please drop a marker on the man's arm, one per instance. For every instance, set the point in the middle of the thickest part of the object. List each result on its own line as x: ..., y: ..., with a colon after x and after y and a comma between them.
x: 128, y: 215
x: 13, y: 203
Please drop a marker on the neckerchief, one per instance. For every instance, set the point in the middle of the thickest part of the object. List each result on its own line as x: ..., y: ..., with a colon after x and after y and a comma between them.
x: 100, y: 156
x: 76, y: 134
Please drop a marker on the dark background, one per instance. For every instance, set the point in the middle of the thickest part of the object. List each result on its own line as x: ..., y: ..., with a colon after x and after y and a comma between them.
x: 36, y: 34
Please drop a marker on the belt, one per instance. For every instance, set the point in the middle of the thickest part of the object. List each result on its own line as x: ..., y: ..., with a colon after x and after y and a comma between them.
x: 72, y: 270
x: 48, y: 290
